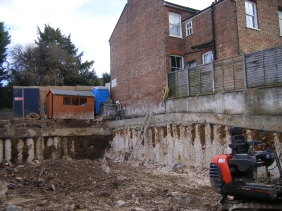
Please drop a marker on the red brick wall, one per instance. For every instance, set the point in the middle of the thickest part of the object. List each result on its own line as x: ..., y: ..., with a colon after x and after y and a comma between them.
x: 141, y: 45
x: 225, y: 33
x: 174, y: 45
x: 268, y: 34
x: 226, y: 30
x: 202, y: 33
x: 139, y: 61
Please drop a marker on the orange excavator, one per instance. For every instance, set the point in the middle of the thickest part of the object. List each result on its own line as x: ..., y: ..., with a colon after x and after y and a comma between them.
x: 236, y: 176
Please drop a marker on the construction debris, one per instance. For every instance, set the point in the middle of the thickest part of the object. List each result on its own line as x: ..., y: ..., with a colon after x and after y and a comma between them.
x: 86, y: 185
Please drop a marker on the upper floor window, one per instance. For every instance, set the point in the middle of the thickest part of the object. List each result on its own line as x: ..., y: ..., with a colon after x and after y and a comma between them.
x: 189, y: 28
x: 191, y: 64
x: 251, y: 14
x: 176, y: 63
x: 280, y: 21
x: 175, y: 24
x: 207, y: 57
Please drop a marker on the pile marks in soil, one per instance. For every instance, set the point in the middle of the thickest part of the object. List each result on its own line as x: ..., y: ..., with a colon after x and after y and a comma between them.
x: 84, y: 185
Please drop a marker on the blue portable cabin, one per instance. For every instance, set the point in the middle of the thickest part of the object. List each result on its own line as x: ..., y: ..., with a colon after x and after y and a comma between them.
x: 101, y: 94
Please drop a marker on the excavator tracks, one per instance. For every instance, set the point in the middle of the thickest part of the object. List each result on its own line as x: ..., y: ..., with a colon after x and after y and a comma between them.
x: 236, y: 205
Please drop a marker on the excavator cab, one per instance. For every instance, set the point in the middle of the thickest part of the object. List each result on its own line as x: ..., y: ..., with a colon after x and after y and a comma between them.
x: 236, y: 174
x: 244, y: 157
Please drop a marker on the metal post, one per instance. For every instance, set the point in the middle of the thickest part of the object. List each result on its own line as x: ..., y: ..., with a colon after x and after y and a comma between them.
x: 263, y: 69
x: 213, y: 79
x: 200, y: 90
x: 245, y: 71
x: 188, y: 83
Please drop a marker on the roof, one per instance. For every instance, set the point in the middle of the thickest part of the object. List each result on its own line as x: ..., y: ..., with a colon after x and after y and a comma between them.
x: 72, y: 93
x: 204, y: 10
x: 181, y: 7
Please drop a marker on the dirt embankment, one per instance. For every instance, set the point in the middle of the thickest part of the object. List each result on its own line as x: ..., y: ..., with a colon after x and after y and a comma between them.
x: 51, y: 123
x: 87, y: 185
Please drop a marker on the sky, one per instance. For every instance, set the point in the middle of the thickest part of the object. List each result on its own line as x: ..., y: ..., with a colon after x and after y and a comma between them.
x: 89, y: 22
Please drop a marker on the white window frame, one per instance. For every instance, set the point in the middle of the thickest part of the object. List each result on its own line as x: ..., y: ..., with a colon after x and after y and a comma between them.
x: 280, y: 21
x: 251, y: 14
x: 206, y: 55
x: 189, y: 28
x: 172, y: 69
x: 175, y: 26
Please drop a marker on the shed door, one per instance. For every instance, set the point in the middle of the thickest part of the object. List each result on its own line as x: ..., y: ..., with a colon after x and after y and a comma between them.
x: 31, y: 101
x: 18, y: 102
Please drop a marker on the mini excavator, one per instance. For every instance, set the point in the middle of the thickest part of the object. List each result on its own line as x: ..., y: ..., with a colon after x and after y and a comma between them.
x: 235, y: 176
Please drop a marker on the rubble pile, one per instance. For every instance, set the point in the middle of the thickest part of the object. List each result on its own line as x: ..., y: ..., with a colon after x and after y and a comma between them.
x: 90, y: 185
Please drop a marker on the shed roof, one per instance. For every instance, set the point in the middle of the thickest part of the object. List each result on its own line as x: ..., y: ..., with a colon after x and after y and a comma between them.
x: 72, y: 93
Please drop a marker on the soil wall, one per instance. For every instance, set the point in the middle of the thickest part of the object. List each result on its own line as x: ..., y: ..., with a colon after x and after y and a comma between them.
x: 188, y: 139
x: 24, y: 141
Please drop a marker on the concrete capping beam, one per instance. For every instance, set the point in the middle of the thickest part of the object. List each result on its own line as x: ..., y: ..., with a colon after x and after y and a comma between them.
x: 267, y: 123
x: 35, y: 132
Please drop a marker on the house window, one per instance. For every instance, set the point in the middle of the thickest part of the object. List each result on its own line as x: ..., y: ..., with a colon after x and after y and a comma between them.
x: 175, y: 24
x: 176, y: 63
x: 207, y: 57
x: 280, y: 21
x: 251, y: 14
x: 191, y: 64
x: 189, y: 28
x: 75, y: 101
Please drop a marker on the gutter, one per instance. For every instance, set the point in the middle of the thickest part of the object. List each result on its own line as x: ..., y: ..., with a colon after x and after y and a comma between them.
x: 213, y: 33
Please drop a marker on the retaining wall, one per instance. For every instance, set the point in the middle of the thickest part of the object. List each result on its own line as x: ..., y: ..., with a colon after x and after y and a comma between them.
x: 190, y: 139
x: 23, y: 145
x: 254, y: 102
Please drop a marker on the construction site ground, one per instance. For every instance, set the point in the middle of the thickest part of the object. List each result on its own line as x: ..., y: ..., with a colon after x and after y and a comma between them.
x: 65, y: 184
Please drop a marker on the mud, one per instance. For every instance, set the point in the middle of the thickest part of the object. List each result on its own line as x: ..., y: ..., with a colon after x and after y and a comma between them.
x: 87, y: 185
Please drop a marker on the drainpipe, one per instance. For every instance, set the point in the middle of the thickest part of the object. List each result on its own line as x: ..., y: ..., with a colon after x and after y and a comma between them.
x: 237, y: 30
x: 213, y: 32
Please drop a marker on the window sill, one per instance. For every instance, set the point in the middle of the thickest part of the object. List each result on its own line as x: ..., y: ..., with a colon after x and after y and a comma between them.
x: 253, y: 28
x: 175, y: 36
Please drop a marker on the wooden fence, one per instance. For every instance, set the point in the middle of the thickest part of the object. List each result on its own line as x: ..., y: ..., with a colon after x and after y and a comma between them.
x: 264, y: 68
x: 257, y: 69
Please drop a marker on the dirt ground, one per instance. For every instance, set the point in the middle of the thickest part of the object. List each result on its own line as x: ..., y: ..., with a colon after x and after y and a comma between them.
x: 50, y: 123
x: 91, y: 185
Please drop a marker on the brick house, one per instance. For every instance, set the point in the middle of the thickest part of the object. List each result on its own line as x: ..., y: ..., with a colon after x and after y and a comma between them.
x: 155, y: 37
x: 229, y: 28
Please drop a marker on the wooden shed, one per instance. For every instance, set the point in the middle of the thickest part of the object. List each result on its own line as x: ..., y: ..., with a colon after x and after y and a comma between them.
x: 67, y: 104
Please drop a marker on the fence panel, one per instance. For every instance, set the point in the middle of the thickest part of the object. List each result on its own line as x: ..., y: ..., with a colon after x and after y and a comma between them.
x: 206, y: 78
x: 171, y: 79
x: 194, y: 81
x: 273, y: 65
x: 182, y: 83
x: 239, y: 77
x: 254, y: 69
x: 264, y: 68
x: 229, y: 74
